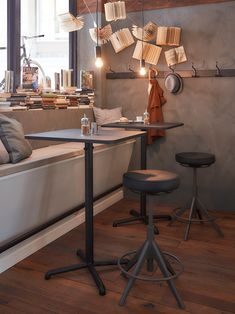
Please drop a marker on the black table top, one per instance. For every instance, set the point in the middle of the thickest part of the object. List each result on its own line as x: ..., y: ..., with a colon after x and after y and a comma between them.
x: 74, y: 135
x: 142, y: 126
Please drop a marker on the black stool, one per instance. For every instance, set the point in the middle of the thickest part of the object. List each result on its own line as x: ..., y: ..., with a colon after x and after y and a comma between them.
x: 151, y: 182
x: 198, y: 211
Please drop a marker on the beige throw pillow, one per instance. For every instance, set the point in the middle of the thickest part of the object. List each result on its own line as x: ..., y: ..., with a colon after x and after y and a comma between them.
x: 4, y: 156
x: 103, y: 116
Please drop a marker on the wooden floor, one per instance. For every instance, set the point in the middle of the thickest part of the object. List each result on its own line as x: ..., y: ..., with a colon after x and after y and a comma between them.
x: 206, y: 286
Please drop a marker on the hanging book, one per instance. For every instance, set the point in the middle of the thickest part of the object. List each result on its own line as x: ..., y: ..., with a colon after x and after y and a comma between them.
x: 148, y: 33
x: 115, y: 11
x: 168, y: 36
x: 121, y: 39
x: 175, y: 56
x: 151, y: 53
x: 103, y: 34
x: 70, y: 23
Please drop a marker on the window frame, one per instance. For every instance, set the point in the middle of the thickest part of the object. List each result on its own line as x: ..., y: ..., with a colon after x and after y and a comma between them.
x: 14, y: 40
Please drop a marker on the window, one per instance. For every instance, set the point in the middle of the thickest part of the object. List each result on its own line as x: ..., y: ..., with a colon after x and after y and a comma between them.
x: 39, y: 17
x: 3, y: 39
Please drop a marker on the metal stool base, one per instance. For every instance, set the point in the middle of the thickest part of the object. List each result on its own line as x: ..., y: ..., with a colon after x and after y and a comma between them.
x: 151, y: 253
x: 197, y: 209
x: 138, y: 217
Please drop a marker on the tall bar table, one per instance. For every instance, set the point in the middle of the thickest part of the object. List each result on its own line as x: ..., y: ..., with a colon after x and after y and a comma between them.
x: 142, y: 215
x: 104, y: 137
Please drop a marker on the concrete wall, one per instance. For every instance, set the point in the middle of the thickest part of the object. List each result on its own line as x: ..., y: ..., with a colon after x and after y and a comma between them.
x: 206, y: 105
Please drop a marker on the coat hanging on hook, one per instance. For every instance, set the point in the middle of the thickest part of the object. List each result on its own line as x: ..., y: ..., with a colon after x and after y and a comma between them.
x: 155, y: 102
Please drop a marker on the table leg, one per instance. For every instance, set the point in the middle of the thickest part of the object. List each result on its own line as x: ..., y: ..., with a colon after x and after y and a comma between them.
x: 87, y: 258
x: 142, y: 214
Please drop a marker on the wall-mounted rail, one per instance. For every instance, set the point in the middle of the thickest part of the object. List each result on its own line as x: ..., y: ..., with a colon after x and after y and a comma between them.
x: 194, y: 73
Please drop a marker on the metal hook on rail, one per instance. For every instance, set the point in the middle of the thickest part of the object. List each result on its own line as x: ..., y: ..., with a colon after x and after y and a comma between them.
x: 194, y: 70
x: 218, y: 70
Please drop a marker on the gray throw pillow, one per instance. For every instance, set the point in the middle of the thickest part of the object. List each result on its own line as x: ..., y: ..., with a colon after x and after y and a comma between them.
x: 4, y: 156
x: 103, y: 116
x: 12, y: 136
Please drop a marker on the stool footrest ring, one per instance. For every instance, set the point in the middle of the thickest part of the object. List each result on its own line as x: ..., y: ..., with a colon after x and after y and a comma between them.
x: 145, y: 278
x: 193, y: 220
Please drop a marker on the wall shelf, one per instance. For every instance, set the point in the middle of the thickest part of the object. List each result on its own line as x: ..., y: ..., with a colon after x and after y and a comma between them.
x: 183, y: 73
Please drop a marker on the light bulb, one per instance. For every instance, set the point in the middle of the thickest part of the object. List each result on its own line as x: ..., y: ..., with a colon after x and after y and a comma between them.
x: 142, y: 67
x: 142, y: 71
x: 99, y: 62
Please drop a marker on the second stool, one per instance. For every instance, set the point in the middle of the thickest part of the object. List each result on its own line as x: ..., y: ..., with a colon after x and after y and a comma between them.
x: 151, y: 182
x: 198, y: 211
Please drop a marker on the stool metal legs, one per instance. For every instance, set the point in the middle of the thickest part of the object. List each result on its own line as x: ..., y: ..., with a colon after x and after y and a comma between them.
x: 151, y: 253
x: 197, y: 212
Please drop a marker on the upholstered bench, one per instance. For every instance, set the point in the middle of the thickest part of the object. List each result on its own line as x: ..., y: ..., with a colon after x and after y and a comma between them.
x: 51, y: 182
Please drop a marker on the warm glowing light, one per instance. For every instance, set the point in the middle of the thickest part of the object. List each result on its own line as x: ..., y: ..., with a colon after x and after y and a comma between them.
x: 99, y: 62
x: 142, y: 67
x: 142, y: 71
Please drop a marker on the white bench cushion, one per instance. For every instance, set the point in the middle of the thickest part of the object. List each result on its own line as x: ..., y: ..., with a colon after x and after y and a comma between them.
x: 46, y: 155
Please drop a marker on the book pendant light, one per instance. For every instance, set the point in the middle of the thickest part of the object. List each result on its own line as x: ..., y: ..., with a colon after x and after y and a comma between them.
x: 98, y: 61
x: 142, y: 61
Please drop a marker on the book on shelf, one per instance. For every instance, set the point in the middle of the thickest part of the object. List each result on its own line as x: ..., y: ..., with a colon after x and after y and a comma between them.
x: 151, y: 53
x: 168, y: 36
x: 66, y: 78
x: 115, y: 11
x: 121, y: 39
x: 30, y: 78
x: 86, y: 80
x: 9, y: 80
x: 175, y: 56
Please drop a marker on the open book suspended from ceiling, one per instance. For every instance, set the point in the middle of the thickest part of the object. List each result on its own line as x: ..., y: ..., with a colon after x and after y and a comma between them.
x: 148, y: 33
x: 69, y: 23
x: 103, y: 34
x: 115, y: 11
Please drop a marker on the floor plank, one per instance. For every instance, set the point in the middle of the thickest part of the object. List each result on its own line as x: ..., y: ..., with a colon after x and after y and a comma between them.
x: 207, y: 284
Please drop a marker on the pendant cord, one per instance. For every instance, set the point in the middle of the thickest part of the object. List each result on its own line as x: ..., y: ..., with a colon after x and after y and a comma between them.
x: 97, y: 22
x: 142, y: 28
x: 88, y: 11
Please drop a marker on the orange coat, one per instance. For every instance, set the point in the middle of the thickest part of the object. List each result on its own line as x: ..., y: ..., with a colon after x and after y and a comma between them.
x: 155, y: 103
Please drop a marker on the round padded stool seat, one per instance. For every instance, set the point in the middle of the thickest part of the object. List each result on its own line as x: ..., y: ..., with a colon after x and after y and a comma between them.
x: 195, y: 160
x: 151, y: 181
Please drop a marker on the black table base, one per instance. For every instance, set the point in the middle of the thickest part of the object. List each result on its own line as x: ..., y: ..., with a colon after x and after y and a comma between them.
x: 87, y: 258
x: 91, y: 266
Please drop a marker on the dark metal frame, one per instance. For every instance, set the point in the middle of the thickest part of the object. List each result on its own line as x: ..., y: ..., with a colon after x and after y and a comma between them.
x: 14, y: 38
x: 87, y: 258
x: 73, y: 42
x: 150, y: 252
x: 197, y: 210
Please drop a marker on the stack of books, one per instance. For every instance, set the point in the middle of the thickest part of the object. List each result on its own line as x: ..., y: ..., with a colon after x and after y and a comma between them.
x: 151, y: 53
x: 115, y: 11
x: 73, y: 100
x: 13, y: 101
x: 86, y: 97
x: 168, y: 36
x: 121, y: 39
x: 48, y: 101
x: 61, y: 102
x: 34, y: 102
